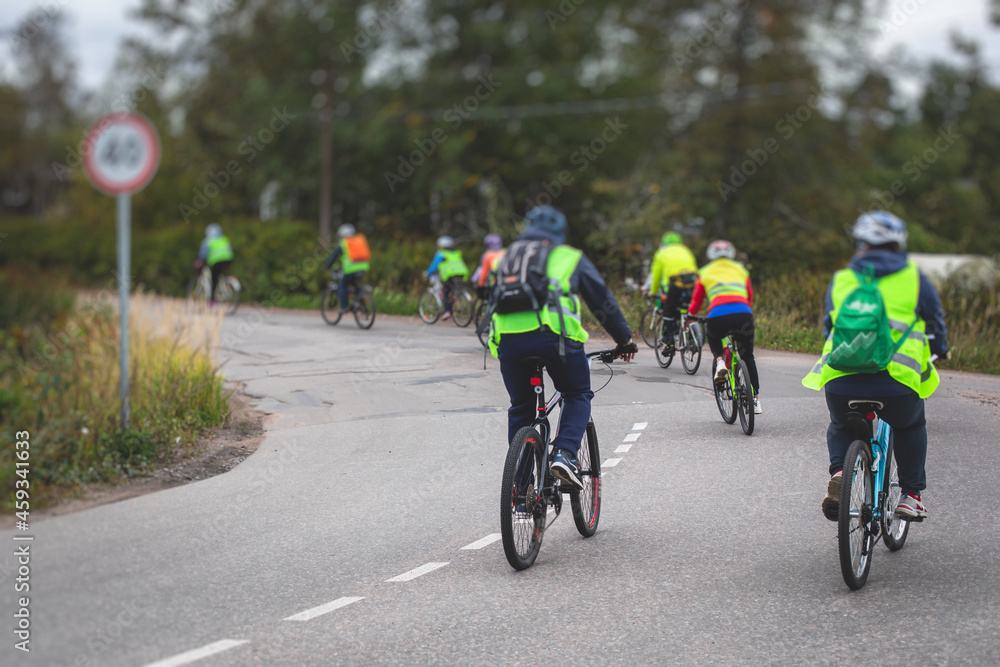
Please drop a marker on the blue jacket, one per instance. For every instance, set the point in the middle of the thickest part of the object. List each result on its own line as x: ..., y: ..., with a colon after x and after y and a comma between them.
x: 587, y: 282
x: 928, y: 308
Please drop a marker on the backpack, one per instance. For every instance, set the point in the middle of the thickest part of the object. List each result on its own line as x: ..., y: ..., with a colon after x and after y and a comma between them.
x: 862, y: 338
x: 357, y: 248
x: 522, y: 282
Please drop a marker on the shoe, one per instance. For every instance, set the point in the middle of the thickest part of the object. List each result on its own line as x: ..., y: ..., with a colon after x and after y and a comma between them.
x: 564, y: 467
x: 756, y: 406
x: 910, y: 508
x: 446, y: 316
x: 831, y: 504
x: 721, y: 372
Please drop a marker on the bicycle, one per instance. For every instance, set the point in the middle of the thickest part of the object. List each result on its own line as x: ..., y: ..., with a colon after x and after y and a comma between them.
x: 688, y: 338
x: 863, y: 519
x: 734, y: 395
x: 362, y: 304
x: 483, y: 332
x: 647, y: 323
x: 529, y: 488
x: 227, y: 291
x: 431, y: 303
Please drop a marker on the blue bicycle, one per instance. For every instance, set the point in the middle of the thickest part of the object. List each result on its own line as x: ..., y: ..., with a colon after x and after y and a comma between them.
x: 869, y: 494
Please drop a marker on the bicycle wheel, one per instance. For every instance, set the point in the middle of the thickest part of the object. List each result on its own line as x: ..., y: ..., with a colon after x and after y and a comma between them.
x: 329, y: 307
x: 725, y: 400
x: 854, y: 537
x: 364, y: 310
x: 646, y: 327
x: 691, y: 354
x: 744, y: 397
x: 894, y: 528
x: 522, y: 507
x: 196, y: 290
x: 429, y: 307
x: 478, y: 311
x: 662, y: 358
x: 462, y: 314
x: 586, y: 504
x: 229, y: 293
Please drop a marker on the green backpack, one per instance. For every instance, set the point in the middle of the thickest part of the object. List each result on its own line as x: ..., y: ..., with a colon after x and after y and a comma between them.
x: 862, y: 338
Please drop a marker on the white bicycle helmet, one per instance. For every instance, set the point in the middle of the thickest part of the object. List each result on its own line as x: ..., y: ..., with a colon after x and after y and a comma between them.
x: 213, y: 231
x: 720, y: 248
x: 446, y: 242
x: 346, y: 230
x: 880, y: 228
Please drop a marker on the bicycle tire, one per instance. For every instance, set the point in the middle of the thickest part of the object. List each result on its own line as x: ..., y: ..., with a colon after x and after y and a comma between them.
x: 478, y: 310
x: 364, y: 310
x: 586, y: 504
x: 744, y: 396
x: 894, y: 528
x: 662, y: 358
x: 854, y: 539
x: 645, y: 327
x: 522, y: 510
x: 691, y: 354
x: 329, y: 306
x: 462, y: 309
x: 429, y: 307
x: 234, y: 291
x: 725, y: 400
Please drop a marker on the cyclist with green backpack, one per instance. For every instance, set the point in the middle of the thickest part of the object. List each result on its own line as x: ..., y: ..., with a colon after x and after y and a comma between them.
x: 883, y: 322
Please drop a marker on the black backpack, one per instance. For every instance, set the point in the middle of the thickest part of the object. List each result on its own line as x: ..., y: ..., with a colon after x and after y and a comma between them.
x: 522, y: 284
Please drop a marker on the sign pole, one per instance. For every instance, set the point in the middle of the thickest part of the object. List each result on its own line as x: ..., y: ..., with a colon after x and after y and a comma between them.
x: 124, y: 282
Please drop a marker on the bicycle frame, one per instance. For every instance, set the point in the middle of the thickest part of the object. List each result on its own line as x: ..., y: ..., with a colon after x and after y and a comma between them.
x: 874, y: 432
x: 548, y: 488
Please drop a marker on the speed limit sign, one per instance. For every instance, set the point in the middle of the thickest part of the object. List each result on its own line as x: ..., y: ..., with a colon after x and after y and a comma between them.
x: 123, y: 153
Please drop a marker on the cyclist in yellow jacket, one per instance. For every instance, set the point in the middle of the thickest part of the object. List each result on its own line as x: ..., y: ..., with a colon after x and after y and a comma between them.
x: 217, y: 252
x: 675, y: 272
x: 910, y: 299
x: 451, y: 268
x: 353, y: 269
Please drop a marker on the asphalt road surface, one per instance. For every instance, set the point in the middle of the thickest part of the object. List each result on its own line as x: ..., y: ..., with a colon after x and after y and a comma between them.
x: 366, y: 527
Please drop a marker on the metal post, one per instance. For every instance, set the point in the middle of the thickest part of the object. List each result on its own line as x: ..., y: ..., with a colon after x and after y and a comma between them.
x: 124, y: 282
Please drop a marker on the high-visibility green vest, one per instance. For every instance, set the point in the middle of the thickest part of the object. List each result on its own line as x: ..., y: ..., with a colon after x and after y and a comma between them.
x: 670, y: 261
x: 346, y: 263
x: 562, y: 262
x: 453, y: 265
x: 910, y: 365
x: 724, y: 277
x: 219, y: 250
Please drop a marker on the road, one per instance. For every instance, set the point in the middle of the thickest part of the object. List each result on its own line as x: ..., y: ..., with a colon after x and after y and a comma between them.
x: 383, y: 457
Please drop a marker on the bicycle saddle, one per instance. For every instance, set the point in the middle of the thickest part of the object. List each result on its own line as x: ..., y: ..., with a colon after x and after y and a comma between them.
x: 867, y: 404
x: 537, y: 362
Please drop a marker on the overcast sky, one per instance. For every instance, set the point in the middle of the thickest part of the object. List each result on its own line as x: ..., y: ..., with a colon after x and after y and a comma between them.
x: 95, y: 28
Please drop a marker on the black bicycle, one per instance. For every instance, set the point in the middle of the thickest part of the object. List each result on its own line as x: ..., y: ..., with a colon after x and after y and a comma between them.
x: 362, y: 304
x: 529, y: 490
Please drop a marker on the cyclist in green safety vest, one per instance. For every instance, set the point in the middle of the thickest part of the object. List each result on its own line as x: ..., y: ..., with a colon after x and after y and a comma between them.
x: 910, y: 299
x: 452, y: 270
x: 353, y: 270
x: 518, y: 335
x: 217, y: 252
x: 675, y: 272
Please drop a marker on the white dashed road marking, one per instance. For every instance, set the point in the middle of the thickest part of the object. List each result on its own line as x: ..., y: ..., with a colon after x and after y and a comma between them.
x: 639, y: 426
x: 417, y: 572
x: 622, y: 449
x: 611, y: 463
x: 485, y: 542
x: 323, y: 609
x: 188, y: 657
x: 631, y: 437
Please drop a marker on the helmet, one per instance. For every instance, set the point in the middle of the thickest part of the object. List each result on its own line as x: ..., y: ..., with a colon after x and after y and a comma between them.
x: 879, y: 228
x: 548, y: 219
x: 346, y: 230
x: 670, y: 237
x: 721, y: 248
x: 493, y: 242
x: 446, y: 242
x: 214, y: 230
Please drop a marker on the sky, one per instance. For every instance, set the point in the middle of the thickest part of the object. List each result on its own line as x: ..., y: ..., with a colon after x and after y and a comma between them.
x: 921, y: 26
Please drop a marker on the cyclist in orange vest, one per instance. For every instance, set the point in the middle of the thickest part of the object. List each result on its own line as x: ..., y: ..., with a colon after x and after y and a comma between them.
x: 726, y: 283
x: 487, y: 263
x: 354, y: 268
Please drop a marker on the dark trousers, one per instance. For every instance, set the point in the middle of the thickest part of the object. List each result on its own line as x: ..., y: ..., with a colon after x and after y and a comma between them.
x: 741, y: 327
x: 676, y: 297
x: 451, y: 286
x: 571, y: 377
x: 349, y: 280
x: 217, y: 270
x: 905, y: 414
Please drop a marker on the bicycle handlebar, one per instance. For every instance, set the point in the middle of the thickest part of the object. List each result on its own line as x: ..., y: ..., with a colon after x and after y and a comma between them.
x: 609, y: 355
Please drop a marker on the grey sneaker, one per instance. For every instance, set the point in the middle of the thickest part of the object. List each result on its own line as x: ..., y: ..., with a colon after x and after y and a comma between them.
x: 756, y: 406
x: 831, y: 504
x: 721, y: 372
x: 564, y: 467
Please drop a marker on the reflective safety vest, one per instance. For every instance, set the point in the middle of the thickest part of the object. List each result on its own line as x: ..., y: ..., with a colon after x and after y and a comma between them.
x: 219, y: 250
x: 672, y: 260
x: 453, y: 265
x: 562, y: 263
x: 910, y: 365
x: 726, y: 280
x: 345, y: 260
x: 491, y: 259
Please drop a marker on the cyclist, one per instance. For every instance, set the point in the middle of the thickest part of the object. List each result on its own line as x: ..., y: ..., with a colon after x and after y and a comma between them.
x: 217, y: 252
x: 554, y: 332
x: 675, y: 272
x: 488, y: 263
x: 726, y: 284
x: 354, y: 256
x: 910, y: 377
x: 452, y: 270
